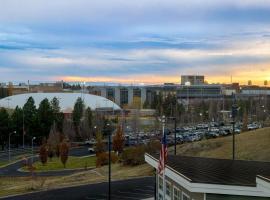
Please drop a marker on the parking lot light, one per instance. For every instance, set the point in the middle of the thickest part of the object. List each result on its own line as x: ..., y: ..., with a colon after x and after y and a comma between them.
x: 9, y: 144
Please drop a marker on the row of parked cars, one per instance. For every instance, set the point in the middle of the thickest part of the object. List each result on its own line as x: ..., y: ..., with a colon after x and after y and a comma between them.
x: 206, y: 131
x: 185, y: 134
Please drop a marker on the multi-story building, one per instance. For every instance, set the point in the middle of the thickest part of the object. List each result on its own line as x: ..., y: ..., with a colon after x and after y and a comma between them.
x: 192, y: 79
x: 199, y: 91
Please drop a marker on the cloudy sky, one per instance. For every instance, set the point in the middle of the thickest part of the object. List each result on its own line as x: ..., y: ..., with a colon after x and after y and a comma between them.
x: 142, y: 41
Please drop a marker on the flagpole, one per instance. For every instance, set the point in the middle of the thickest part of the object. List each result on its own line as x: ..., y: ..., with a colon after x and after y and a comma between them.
x: 163, y: 134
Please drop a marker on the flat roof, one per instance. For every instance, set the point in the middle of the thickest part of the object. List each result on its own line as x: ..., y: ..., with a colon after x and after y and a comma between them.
x: 218, y: 171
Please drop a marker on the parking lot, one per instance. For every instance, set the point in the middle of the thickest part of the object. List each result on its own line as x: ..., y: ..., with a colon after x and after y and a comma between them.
x: 190, y: 133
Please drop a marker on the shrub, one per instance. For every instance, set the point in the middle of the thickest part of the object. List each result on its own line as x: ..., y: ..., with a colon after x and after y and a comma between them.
x: 135, y: 155
x: 103, y: 159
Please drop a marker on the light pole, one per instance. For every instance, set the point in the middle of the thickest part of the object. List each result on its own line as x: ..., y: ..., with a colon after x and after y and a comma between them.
x: 33, y: 149
x: 234, y: 112
x: 163, y: 135
x: 109, y: 149
x: 9, y: 145
x: 23, y: 127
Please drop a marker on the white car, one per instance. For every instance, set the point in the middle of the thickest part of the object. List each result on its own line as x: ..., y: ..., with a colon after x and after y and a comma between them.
x: 91, y: 150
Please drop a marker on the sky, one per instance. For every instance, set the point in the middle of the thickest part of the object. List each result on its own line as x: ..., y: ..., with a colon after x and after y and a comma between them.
x: 131, y: 42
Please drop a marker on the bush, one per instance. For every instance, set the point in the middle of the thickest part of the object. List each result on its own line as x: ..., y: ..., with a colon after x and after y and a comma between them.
x: 135, y: 155
x: 103, y: 159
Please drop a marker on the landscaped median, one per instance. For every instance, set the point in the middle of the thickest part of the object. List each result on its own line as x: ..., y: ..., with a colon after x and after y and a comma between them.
x: 55, y: 164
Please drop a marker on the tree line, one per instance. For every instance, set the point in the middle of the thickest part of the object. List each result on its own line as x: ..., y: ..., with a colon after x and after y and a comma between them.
x: 38, y: 121
x: 202, y: 110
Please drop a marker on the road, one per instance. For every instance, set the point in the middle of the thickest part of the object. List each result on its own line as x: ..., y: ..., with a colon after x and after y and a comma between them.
x: 12, y: 169
x: 132, y: 189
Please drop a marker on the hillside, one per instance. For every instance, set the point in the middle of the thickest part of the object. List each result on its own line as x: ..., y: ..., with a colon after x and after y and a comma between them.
x: 253, y: 145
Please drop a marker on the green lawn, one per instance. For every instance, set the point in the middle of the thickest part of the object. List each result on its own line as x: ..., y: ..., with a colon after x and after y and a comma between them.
x: 72, y: 163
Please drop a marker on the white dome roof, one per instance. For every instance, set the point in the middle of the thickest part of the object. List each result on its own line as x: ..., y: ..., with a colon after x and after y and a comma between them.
x: 66, y: 100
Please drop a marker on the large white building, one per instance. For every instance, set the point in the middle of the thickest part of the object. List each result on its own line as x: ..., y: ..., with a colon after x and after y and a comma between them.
x: 66, y: 101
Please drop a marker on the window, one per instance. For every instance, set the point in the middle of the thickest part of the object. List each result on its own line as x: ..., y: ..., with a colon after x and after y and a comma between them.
x: 160, y: 197
x: 185, y: 197
x: 176, y: 194
x: 168, y: 189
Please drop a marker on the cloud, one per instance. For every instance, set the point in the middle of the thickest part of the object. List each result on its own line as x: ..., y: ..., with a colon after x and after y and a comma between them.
x: 126, y: 40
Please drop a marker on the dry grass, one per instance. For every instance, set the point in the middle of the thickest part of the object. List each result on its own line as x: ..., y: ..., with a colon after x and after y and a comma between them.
x: 253, y: 145
x: 18, y: 185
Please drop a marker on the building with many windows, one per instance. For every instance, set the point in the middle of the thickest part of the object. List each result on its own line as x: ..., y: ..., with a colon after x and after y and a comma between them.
x: 192, y: 79
x: 193, y: 178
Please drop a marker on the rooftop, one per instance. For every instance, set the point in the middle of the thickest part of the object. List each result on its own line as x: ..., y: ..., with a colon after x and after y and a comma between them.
x: 218, y: 171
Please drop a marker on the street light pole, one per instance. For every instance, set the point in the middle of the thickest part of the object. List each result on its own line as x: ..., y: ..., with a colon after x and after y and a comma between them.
x: 32, y: 160
x: 23, y: 128
x: 109, y: 147
x: 163, y: 133
x: 9, y: 145
x: 234, y: 112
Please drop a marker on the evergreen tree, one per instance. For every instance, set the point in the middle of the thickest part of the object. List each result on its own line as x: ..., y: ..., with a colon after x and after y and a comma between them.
x: 45, y: 118
x: 30, y: 117
x: 77, y: 115
x: 4, y: 126
x: 58, y: 116
x: 16, y: 123
x: 89, y: 121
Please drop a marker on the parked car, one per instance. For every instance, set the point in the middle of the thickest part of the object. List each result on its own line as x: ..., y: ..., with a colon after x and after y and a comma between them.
x: 91, y: 150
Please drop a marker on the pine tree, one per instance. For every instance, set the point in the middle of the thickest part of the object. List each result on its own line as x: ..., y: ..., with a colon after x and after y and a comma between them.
x: 45, y: 118
x: 4, y: 126
x: 77, y: 115
x: 30, y: 117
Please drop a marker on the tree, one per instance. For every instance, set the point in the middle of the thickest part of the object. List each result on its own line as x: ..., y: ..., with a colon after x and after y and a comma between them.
x: 100, y: 145
x: 245, y: 121
x: 58, y: 116
x: 30, y: 117
x: 77, y: 115
x: 4, y: 126
x: 64, y: 149
x: 118, y: 140
x: 89, y: 118
x: 45, y: 117
x: 43, y: 153
x: 16, y: 121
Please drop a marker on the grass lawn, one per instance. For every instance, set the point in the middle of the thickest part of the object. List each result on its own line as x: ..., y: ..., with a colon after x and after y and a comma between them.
x: 72, y: 163
x: 252, y: 145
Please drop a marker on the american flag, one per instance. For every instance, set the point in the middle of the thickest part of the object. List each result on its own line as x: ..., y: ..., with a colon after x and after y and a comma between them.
x: 163, y: 154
